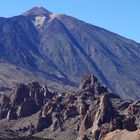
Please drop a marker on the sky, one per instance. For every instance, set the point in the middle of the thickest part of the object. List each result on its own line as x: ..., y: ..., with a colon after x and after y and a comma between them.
x: 119, y: 16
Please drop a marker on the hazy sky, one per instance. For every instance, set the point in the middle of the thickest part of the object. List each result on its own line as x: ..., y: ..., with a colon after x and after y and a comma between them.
x: 119, y: 16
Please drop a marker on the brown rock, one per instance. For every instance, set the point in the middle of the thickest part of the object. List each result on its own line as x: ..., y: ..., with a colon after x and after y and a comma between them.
x: 87, y: 114
x: 105, y: 114
x: 91, y: 83
x: 71, y: 112
x: 83, y: 107
x: 57, y: 121
x: 88, y: 82
x: 122, y: 135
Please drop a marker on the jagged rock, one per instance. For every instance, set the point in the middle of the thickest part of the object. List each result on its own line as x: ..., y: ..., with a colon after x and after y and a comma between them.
x: 70, y: 98
x: 46, y: 92
x: 11, y: 114
x: 88, y: 82
x: 24, y: 101
x: 86, y: 124
x: 31, y: 129
x: 4, y: 106
x: 91, y: 83
x: 3, y: 113
x: 105, y: 118
x: 133, y: 109
x: 49, y: 108
x: 104, y: 113
x: 4, y: 102
x: 133, y: 113
x: 37, y: 92
x: 129, y: 124
x: 116, y: 123
x: 71, y: 112
x: 57, y: 121
x: 43, y: 123
x: 83, y: 107
x: 27, y: 108
x: 87, y: 114
x: 21, y: 94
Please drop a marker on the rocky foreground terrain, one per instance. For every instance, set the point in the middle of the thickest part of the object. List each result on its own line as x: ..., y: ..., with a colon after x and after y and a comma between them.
x: 87, y: 113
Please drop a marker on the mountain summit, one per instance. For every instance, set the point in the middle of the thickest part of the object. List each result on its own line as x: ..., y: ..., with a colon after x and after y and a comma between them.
x: 41, y: 46
x: 36, y: 11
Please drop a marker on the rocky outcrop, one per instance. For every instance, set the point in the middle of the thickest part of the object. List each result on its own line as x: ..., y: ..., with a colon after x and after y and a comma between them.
x: 89, y: 113
x: 27, y: 108
x: 43, y: 123
x: 24, y: 101
x: 11, y: 115
x: 108, y: 114
x: 91, y: 83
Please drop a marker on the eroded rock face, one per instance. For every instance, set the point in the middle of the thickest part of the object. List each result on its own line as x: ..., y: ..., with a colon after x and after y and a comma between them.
x: 24, y: 101
x: 91, y: 83
x: 27, y: 108
x: 43, y: 122
x: 92, y: 109
x: 21, y: 94
x: 11, y: 114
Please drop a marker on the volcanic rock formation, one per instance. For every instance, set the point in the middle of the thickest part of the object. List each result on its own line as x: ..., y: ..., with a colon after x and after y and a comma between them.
x: 88, y: 113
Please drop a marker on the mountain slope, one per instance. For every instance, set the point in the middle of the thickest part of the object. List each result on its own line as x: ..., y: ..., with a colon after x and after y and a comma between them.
x: 61, y: 48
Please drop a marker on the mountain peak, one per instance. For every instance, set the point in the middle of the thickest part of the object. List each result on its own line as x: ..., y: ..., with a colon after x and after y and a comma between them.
x: 36, y: 11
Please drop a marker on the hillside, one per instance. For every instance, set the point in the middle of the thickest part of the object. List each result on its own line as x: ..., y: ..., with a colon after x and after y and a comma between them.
x: 39, y: 45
